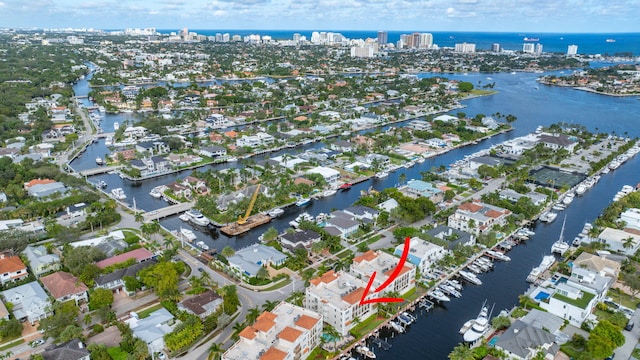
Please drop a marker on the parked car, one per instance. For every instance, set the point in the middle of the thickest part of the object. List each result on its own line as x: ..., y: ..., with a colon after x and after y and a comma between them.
x: 36, y: 343
x: 629, y: 325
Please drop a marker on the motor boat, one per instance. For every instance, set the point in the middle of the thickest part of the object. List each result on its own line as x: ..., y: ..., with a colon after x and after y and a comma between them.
x: 303, y: 201
x: 329, y: 192
x: 99, y: 161
x: 438, y: 295
x: 202, y: 245
x: 382, y: 175
x: 187, y: 234
x: 537, y: 271
x: 184, y: 217
x: 548, y: 216
x: 302, y: 217
x: 156, y: 192
x: 197, y: 218
x: 497, y: 255
x: 365, y: 351
x: 470, y: 277
x: 102, y: 184
x: 397, y: 327
x: 275, y: 212
x: 479, y: 327
x: 118, y: 194
x: 568, y: 199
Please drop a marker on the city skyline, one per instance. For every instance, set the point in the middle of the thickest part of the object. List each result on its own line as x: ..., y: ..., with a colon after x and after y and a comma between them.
x: 588, y: 16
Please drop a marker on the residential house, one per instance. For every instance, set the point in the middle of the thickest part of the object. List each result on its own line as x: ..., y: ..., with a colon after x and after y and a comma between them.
x: 152, y: 329
x: 384, y: 264
x: 286, y: 332
x: 180, y: 190
x: 330, y: 175
x: 377, y: 159
x: 198, y: 186
x: 478, y: 218
x: 43, y: 190
x: 11, y: 268
x: 455, y: 237
x: 40, y: 261
x: 201, y: 305
x: 631, y: 218
x: 181, y: 159
x: 140, y: 255
x: 557, y: 141
x: 72, y: 350
x: 76, y: 210
x: 341, y: 224
x: 422, y: 254
x: 248, y: 261
x: 362, y: 213
x: 419, y: 188
x: 523, y: 342
x: 114, y: 281
x: 145, y: 166
x: 150, y: 148
x: 435, y: 143
x: 598, y: 264
x: 30, y: 302
x: 63, y: 286
x: 343, y: 146
x: 251, y: 141
x: 337, y: 295
x: 513, y: 196
x: 569, y: 303
x: 625, y: 242
x: 135, y: 132
x: 212, y: 151
x: 303, y: 239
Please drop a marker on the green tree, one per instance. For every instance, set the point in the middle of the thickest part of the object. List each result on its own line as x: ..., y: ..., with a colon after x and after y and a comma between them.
x: 500, y: 322
x: 465, y: 86
x: 461, y: 352
x: 270, y: 234
x: 10, y: 328
x: 163, y: 278
x: 262, y: 274
x: 75, y: 259
x: 100, y: 298
x: 64, y: 315
x: 228, y: 251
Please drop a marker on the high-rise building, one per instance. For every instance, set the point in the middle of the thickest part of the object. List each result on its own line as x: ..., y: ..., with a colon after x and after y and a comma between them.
x: 528, y: 48
x: 383, y: 37
x: 465, y: 48
x: 538, y: 48
x: 426, y: 40
x: 572, y: 49
x: 296, y: 37
x: 496, y: 48
x: 415, y: 40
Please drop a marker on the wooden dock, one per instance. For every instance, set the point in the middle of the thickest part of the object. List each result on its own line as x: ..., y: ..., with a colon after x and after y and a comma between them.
x: 253, y: 221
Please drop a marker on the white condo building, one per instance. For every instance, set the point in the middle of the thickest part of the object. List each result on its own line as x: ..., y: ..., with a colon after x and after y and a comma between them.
x: 287, y: 332
x: 477, y: 217
x: 465, y: 48
x: 383, y: 265
x: 572, y: 49
x: 336, y: 296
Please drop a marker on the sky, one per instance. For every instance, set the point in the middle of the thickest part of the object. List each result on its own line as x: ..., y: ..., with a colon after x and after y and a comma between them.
x: 559, y: 16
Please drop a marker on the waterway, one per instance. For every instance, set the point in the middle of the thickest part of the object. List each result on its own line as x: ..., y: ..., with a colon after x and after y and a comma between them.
x: 433, y: 336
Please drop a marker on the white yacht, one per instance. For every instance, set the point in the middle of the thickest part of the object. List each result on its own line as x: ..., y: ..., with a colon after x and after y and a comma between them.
x: 438, y: 295
x: 548, y: 216
x: 99, y: 160
x: 116, y: 126
x: 479, y: 327
x: 397, y: 327
x: 184, y: 217
x: 302, y: 217
x: 118, y: 194
x: 498, y: 255
x: 187, y: 234
x: 581, y: 189
x: 382, y: 175
x: 537, y: 271
x: 560, y: 246
x: 202, y: 245
x: 568, y: 199
x: 156, y: 192
x: 275, y: 212
x: 197, y: 218
x: 470, y: 277
x: 365, y: 351
x: 329, y: 192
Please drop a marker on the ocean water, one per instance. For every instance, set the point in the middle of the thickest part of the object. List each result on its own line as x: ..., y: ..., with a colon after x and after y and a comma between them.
x: 589, y: 43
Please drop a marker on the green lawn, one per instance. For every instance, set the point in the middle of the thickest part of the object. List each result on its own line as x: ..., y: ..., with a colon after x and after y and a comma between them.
x: 344, y: 254
x: 117, y: 353
x: 581, y: 302
x: 146, y: 312
x: 366, y: 326
x: 11, y: 344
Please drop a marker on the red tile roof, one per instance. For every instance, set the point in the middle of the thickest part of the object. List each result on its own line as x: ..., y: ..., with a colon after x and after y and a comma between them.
x: 470, y: 207
x: 11, y: 264
x: 273, y: 354
x: 140, y: 255
x: 290, y: 334
x: 368, y: 256
x: 326, y: 278
x: 61, y: 284
x: 307, y: 322
x: 354, y: 296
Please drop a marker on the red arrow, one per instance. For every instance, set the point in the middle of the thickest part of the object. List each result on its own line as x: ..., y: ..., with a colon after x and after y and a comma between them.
x: 392, y: 277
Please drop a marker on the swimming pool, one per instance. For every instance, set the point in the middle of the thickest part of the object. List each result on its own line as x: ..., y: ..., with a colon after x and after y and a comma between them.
x: 542, y: 296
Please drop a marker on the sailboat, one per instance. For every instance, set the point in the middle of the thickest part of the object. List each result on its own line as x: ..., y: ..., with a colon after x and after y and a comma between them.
x: 560, y: 246
x: 479, y: 326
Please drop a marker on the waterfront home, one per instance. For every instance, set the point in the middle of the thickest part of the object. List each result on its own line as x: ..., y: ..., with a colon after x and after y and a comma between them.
x: 522, y: 342
x: 418, y: 188
x: 435, y: 143
x: 380, y: 160
x: 568, y: 302
x: 177, y: 160
x: 212, y: 151
x: 30, y: 302
x: 201, y: 305
x: 337, y: 296
x: 330, y: 175
x: 477, y: 217
x: 286, y: 332
x: 135, y: 132
x: 128, y: 154
x: 150, y: 148
x: 140, y: 255
x: 557, y: 141
x: 63, y: 286
x: 342, y: 146
x: 246, y: 262
x: 513, y: 196
x: 76, y: 210
x: 302, y: 239
x: 198, y: 186
x: 488, y: 160
x: 422, y: 254
x: 631, y: 218
x: 625, y: 242
x: 145, y: 166
x: 455, y: 237
x: 383, y: 264
x: 286, y: 161
x: 362, y: 213
x: 40, y: 261
x: 445, y: 118
x: 11, y: 268
x: 598, y: 264
x: 72, y: 350
x: 152, y: 329
x: 114, y: 281
x: 341, y: 224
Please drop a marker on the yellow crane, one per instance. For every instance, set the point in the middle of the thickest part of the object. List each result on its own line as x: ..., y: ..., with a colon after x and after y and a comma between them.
x: 243, y: 219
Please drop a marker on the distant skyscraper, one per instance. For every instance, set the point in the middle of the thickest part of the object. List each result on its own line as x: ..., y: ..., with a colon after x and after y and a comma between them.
x: 426, y: 40
x: 184, y: 33
x: 465, y: 48
x: 572, y: 50
x: 383, y: 37
x: 296, y: 37
x: 496, y: 48
x: 528, y: 48
x: 415, y: 42
x: 538, y: 48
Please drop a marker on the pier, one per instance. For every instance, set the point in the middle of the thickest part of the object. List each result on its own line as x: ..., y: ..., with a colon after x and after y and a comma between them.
x: 167, y: 211
x: 99, y: 170
x: 252, y: 222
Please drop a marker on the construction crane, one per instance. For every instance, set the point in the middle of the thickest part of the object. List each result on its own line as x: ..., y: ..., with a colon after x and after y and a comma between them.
x: 243, y: 219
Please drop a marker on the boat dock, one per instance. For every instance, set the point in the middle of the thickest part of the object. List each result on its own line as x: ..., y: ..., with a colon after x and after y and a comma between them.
x: 253, y: 221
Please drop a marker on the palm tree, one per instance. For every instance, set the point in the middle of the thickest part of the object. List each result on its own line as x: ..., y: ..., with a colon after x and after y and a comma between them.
x: 461, y: 352
x: 269, y: 305
x: 252, y: 315
x: 215, y: 352
x: 138, y: 217
x: 237, y: 327
x: 333, y: 334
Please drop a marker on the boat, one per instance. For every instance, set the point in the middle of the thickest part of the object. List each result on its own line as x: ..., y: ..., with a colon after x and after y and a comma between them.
x: 184, y: 217
x: 438, y: 295
x: 449, y: 290
x: 365, y: 351
x: 382, y: 175
x: 610, y: 40
x: 454, y: 284
x: 537, y: 271
x: 560, y: 246
x: 102, y: 184
x: 303, y: 201
x: 232, y: 159
x: 614, y: 164
x: 605, y: 170
x: 411, y: 317
x: 275, y: 212
x: 558, y: 207
x: 397, y: 327
x: 156, y: 192
x: 187, y: 234
x: 497, y: 255
x: 405, y: 321
x: 581, y: 189
x: 202, y: 245
x: 197, y: 218
x: 118, y: 194
x: 474, y: 269
x: 329, y: 192
x: 568, y: 198
x: 466, y: 326
x: 345, y: 186
x: 116, y: 126
x: 531, y: 39
x: 480, y: 325
x: 99, y: 160
x: 302, y: 217
x: 470, y: 277
x: 108, y: 141
x: 548, y: 216
x: 101, y: 109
